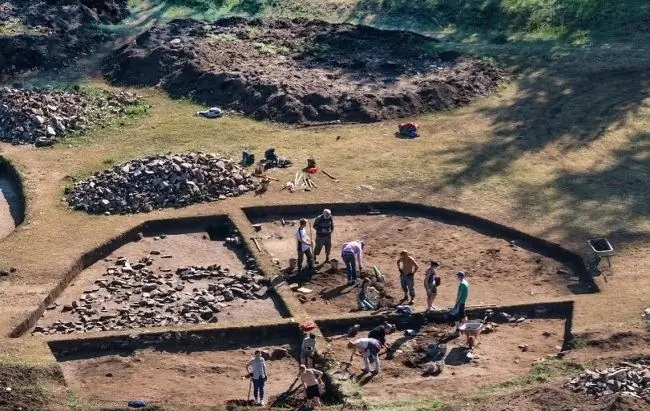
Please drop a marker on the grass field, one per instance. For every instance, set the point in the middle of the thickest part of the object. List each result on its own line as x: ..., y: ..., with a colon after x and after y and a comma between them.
x: 562, y: 151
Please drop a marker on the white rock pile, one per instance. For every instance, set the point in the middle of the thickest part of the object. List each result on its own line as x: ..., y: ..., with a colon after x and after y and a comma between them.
x: 162, y: 181
x: 628, y: 378
x: 132, y: 295
x: 42, y: 117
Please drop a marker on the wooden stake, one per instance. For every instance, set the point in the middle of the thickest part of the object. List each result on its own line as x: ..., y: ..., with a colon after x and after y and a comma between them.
x: 257, y: 244
x: 330, y: 176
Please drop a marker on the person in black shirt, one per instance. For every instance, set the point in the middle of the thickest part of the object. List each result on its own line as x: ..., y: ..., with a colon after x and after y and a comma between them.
x: 379, y: 333
x: 324, y: 226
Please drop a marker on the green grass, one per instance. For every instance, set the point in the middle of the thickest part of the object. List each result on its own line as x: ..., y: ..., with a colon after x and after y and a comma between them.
x: 541, y: 372
x: 417, y: 405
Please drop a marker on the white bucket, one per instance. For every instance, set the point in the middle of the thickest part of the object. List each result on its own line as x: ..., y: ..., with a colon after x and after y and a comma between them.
x: 334, y: 263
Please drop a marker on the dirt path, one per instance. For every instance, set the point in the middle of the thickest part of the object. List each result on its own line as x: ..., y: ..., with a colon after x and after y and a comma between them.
x: 10, y: 206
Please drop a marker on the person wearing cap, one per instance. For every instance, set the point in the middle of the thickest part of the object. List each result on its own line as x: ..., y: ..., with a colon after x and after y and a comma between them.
x: 303, y: 243
x: 370, y: 348
x: 407, y: 268
x: 324, y: 226
x: 258, y: 375
x: 431, y: 283
x: 461, y: 298
x: 351, y: 253
x: 379, y: 333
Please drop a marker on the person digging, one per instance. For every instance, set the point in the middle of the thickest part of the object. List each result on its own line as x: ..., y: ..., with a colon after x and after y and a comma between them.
x: 303, y: 244
x: 369, y: 348
x: 379, y: 333
x: 407, y: 268
x: 351, y: 253
x: 324, y: 226
x: 258, y: 375
x: 311, y: 380
x: 307, y: 350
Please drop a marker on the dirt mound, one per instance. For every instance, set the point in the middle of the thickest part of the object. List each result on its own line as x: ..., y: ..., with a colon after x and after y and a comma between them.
x: 21, y: 387
x: 42, y: 117
x: 48, y: 34
x: 302, y: 71
x: 145, y: 184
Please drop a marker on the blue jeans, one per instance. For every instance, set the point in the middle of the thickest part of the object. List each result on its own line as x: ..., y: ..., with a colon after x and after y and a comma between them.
x: 258, y: 388
x: 365, y: 303
x: 350, y: 266
x: 407, y: 283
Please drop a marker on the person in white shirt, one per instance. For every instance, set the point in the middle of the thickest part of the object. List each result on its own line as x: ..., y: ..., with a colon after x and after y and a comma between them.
x: 303, y: 244
x: 308, y: 350
x: 258, y: 375
x: 370, y: 349
x: 351, y: 253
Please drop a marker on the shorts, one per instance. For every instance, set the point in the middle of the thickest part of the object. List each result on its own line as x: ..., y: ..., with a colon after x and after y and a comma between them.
x: 432, y: 290
x: 312, y: 392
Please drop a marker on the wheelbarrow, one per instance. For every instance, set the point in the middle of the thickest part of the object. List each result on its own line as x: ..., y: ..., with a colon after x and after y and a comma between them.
x: 472, y: 331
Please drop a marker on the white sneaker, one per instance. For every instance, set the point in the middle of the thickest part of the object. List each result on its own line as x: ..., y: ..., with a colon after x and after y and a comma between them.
x: 256, y: 402
x: 261, y: 403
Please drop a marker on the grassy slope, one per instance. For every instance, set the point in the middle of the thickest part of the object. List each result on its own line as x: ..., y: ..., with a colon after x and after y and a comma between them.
x: 563, y: 151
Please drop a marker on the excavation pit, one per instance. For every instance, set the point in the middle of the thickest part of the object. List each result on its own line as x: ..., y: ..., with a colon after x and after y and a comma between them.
x: 178, y: 275
x: 503, y: 266
x: 12, y: 200
x: 503, y: 355
x: 183, y: 377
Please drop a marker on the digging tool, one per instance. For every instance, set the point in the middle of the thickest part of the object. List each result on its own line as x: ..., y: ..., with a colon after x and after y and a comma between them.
x: 257, y: 244
x: 250, y: 384
x: 336, y: 180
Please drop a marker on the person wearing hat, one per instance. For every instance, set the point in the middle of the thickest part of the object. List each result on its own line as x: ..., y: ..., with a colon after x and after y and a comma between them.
x: 431, y: 283
x: 324, y: 226
x: 303, y: 243
x: 351, y: 253
x: 461, y: 298
x: 407, y: 268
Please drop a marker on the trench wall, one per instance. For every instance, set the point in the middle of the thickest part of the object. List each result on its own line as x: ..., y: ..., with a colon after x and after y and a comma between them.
x: 213, y: 223
x: 8, y: 169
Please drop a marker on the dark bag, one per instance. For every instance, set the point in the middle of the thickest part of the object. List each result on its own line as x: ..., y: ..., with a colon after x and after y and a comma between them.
x: 437, y: 281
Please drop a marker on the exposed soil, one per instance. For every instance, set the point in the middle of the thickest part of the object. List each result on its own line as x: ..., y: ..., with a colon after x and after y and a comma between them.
x: 53, y: 33
x: 300, y: 71
x: 10, y: 205
x: 23, y: 387
x: 498, y: 272
x: 178, y: 380
x: 185, y: 250
x: 498, y: 359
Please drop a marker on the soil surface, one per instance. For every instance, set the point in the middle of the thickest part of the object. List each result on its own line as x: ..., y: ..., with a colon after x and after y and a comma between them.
x: 10, y: 205
x: 301, y: 71
x: 185, y: 250
x: 498, y: 273
x: 50, y: 34
x: 498, y: 358
x: 175, y: 380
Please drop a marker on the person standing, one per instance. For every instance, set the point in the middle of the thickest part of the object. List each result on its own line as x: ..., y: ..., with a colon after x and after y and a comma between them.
x: 461, y: 298
x: 431, y: 283
x: 307, y: 350
x: 407, y: 268
x: 303, y: 244
x: 370, y: 348
x: 324, y: 226
x: 258, y: 375
x: 351, y: 253
x: 311, y: 380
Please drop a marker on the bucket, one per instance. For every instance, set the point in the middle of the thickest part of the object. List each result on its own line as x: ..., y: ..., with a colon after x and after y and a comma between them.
x: 334, y: 263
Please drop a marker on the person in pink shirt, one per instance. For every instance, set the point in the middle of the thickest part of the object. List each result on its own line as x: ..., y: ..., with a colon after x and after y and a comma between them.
x: 351, y: 253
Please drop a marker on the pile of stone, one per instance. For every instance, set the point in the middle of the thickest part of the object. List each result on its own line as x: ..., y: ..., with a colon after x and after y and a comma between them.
x: 627, y: 378
x: 162, y: 181
x: 132, y: 295
x: 42, y: 117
